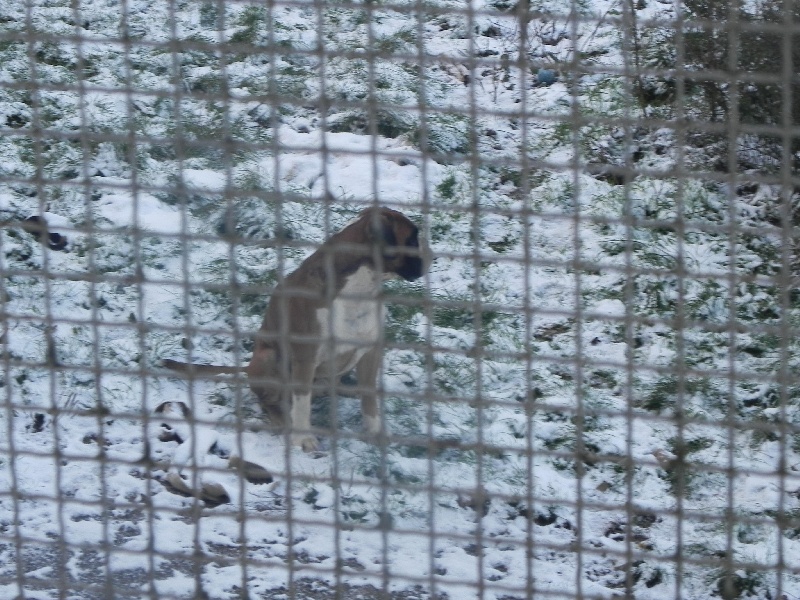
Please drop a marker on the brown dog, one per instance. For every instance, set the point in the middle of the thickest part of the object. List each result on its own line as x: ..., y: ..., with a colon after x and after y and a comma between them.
x: 326, y: 318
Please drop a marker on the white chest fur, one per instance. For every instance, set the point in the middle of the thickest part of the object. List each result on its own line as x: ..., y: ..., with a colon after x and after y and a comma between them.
x: 355, y: 318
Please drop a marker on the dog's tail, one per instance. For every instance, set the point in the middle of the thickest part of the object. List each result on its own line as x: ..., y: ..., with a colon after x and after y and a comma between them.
x: 183, y: 367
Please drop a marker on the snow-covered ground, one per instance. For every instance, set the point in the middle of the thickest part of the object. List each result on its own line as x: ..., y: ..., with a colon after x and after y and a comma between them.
x: 583, y: 401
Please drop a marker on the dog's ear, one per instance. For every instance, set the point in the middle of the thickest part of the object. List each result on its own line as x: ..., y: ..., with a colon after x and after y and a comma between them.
x: 380, y: 228
x: 394, y: 233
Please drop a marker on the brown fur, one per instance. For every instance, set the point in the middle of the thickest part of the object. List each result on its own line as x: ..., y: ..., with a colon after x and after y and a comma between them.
x: 294, y: 348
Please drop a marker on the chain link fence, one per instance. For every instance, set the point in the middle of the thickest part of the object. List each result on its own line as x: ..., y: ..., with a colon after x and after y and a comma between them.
x: 587, y: 361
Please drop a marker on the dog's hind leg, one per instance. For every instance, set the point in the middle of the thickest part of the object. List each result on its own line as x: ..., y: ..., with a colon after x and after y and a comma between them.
x: 266, y: 383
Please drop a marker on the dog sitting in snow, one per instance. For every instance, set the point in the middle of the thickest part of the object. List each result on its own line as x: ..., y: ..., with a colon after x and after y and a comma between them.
x: 326, y: 318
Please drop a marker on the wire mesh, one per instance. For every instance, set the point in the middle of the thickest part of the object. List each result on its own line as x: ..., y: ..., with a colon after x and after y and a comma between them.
x: 588, y: 389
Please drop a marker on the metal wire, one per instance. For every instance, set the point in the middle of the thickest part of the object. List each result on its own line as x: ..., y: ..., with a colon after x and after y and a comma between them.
x: 590, y: 392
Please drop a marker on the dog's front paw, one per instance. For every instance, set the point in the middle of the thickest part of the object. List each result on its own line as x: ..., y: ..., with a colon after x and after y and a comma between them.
x: 374, y: 426
x: 306, y: 442
x: 376, y: 432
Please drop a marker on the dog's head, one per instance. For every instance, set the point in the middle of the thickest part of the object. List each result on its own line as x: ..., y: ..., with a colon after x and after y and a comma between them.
x: 398, y: 236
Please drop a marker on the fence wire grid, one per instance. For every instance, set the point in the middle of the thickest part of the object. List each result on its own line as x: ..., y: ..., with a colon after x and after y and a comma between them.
x: 587, y: 366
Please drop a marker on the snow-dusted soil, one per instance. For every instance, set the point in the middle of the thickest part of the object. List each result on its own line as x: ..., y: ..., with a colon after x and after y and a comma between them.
x: 584, y: 400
